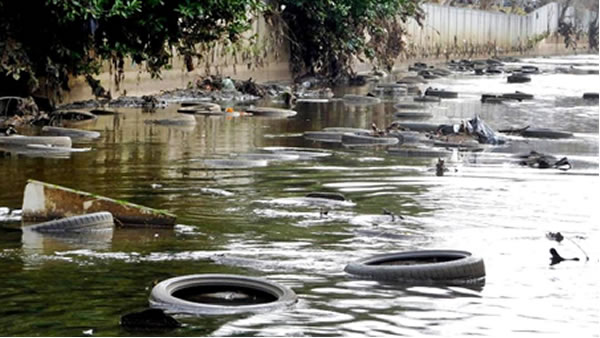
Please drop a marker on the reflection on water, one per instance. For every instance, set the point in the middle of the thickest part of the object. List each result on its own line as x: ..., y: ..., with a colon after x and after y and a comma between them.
x: 254, y: 220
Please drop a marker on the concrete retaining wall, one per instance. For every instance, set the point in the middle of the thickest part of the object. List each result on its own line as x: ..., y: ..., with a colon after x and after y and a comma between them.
x: 447, y: 32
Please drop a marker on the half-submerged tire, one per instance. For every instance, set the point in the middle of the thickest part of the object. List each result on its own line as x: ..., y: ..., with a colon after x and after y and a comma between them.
x: 441, y: 93
x: 271, y: 112
x: 327, y: 195
x: 420, y: 127
x: 224, y: 164
x: 426, y: 98
x: 82, y: 223
x: 409, y: 106
x: 545, y: 133
x: 303, y: 153
x: 412, y: 115
x: 75, y: 134
x: 19, y: 140
x: 350, y: 139
x: 419, y: 152
x: 518, y: 78
x: 218, y: 294
x: 360, y: 100
x: 448, y: 267
x: 200, y: 108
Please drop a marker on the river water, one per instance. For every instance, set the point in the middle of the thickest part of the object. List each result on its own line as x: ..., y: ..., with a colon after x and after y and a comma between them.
x: 244, y: 221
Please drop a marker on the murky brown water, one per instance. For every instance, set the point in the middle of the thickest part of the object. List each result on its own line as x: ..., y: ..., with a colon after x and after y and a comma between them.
x: 247, y: 221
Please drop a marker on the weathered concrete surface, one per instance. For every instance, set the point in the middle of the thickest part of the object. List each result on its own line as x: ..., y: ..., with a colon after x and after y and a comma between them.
x: 43, y: 201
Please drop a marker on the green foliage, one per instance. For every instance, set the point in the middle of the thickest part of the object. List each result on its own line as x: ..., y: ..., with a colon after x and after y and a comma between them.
x: 42, y: 42
x: 326, y: 36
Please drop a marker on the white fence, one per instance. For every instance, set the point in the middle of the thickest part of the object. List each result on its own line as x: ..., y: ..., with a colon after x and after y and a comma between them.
x: 451, y: 29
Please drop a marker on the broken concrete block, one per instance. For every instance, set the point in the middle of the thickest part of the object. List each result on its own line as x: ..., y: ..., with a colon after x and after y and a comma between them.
x: 43, y: 201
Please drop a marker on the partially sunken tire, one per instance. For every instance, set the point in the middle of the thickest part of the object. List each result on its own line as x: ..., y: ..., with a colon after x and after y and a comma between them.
x: 70, y: 132
x: 449, y: 267
x: 518, y: 78
x: 170, y: 295
x: 19, y: 140
x: 545, y: 133
x: 272, y: 112
x: 89, y: 222
x: 356, y: 139
x: 412, y: 115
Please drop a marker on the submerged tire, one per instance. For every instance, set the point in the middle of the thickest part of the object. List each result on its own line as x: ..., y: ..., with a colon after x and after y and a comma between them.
x: 89, y: 222
x: 172, y: 295
x: 450, y: 267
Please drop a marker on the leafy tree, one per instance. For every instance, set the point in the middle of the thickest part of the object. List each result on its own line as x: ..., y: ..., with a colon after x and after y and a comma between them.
x: 43, y: 42
x: 325, y: 36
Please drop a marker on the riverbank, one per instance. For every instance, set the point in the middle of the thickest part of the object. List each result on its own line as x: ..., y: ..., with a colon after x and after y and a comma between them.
x: 138, y: 83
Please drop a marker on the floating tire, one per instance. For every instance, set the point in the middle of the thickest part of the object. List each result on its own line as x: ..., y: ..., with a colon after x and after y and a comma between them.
x: 418, y: 152
x: 224, y: 164
x: 271, y: 112
x: 102, y: 111
x: 323, y: 136
x: 303, y: 153
x: 182, y: 120
x: 518, y: 78
x: 73, y: 118
x: 327, y: 195
x: 19, y: 140
x: 519, y: 96
x: 82, y: 223
x: 409, y: 106
x: 350, y: 139
x: 267, y: 157
x: 75, y: 134
x: 218, y: 294
x: 358, y: 100
x: 545, y: 133
x: 450, y: 267
x: 412, y: 115
x: 201, y: 108
x: 441, y: 93
x: 347, y: 130
x: 426, y: 98
x: 420, y: 127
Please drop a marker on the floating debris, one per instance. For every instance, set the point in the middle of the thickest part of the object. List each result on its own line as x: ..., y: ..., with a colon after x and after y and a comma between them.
x: 44, y: 201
